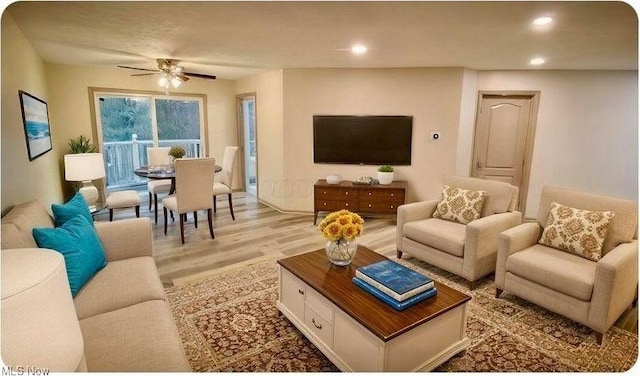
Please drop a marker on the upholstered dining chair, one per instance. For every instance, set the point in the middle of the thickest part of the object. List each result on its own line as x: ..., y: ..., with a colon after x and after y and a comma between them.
x: 578, y: 259
x: 459, y: 232
x: 158, y: 156
x: 224, y: 178
x: 194, y: 188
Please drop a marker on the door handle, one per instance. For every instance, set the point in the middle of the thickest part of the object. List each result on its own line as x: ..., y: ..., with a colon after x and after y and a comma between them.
x: 478, y: 165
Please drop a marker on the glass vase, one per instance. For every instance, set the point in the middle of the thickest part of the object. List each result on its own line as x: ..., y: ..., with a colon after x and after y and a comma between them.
x: 341, y: 252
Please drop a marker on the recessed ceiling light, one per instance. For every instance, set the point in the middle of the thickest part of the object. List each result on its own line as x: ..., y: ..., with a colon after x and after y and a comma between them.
x: 541, y: 21
x: 358, y: 49
x: 537, y: 61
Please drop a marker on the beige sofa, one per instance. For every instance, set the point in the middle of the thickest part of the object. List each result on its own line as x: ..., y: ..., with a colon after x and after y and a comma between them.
x: 119, y: 321
x: 593, y: 293
x: 465, y: 250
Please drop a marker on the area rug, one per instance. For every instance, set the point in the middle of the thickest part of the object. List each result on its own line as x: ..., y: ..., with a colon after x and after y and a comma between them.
x: 229, y: 322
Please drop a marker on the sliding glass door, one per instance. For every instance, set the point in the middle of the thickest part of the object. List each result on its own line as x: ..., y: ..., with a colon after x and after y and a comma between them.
x: 130, y: 123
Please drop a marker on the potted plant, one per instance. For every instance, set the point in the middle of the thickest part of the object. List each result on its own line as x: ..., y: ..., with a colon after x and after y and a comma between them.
x: 81, y: 144
x: 176, y: 152
x: 385, y: 174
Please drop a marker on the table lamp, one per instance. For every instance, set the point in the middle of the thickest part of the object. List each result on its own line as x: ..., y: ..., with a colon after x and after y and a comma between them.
x: 85, y: 167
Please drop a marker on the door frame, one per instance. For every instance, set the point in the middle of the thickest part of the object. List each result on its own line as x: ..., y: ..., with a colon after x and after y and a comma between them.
x: 534, y: 96
x: 241, y: 140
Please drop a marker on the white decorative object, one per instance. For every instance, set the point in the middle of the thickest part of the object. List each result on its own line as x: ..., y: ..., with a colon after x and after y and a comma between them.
x: 385, y: 178
x: 85, y: 167
x: 334, y: 179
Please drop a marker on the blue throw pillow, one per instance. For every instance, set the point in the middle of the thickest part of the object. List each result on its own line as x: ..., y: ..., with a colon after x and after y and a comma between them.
x: 77, y: 205
x: 78, y: 242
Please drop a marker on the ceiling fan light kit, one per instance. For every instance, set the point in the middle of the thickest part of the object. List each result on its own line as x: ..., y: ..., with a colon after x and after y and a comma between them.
x: 171, y: 74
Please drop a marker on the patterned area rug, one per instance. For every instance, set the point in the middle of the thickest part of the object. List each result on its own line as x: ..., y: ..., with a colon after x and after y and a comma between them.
x: 229, y: 322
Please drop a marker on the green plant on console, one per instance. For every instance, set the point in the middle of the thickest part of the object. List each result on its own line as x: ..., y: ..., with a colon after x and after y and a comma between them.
x: 385, y: 168
x: 82, y: 144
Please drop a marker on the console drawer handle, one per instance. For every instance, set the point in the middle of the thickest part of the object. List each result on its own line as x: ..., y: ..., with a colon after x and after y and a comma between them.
x: 313, y: 320
x: 300, y: 292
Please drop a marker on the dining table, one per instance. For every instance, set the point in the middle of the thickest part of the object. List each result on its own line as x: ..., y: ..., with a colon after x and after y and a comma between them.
x: 163, y: 172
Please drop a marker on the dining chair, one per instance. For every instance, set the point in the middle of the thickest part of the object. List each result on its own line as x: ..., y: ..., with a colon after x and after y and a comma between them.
x: 194, y: 188
x: 158, y: 156
x: 224, y: 178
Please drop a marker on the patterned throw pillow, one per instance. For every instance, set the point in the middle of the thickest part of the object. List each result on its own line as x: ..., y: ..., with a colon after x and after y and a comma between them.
x: 459, y: 205
x: 575, y: 230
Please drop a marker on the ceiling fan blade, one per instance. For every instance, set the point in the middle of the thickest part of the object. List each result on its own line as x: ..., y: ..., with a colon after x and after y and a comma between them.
x: 199, y: 75
x: 144, y: 74
x: 142, y: 69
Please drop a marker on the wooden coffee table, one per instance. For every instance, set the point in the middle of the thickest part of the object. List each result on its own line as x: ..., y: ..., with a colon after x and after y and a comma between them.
x: 357, y: 331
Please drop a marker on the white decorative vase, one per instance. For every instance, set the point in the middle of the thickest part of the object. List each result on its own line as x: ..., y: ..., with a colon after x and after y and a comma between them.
x: 385, y: 178
x: 334, y: 179
x: 341, y: 252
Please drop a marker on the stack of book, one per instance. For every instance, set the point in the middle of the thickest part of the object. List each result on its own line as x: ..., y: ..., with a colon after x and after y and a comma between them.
x: 394, y: 284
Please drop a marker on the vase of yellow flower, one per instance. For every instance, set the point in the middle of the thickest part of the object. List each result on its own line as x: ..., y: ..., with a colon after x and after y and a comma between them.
x: 341, y: 229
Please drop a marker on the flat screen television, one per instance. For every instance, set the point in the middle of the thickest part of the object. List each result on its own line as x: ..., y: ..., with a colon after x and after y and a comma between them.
x: 367, y: 140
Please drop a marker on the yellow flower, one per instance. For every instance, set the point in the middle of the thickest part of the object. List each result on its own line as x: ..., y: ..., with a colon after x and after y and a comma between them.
x: 342, y: 224
x: 349, y: 231
x: 333, y: 231
x: 345, y: 219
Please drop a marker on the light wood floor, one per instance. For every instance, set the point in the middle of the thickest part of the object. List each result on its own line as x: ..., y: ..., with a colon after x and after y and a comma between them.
x: 258, y: 233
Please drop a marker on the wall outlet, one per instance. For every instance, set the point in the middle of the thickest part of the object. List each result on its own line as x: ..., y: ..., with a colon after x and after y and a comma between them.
x: 435, y: 136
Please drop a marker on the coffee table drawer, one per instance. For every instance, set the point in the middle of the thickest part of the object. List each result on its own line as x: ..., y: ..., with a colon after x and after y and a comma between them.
x: 293, y: 292
x: 318, y: 325
x: 320, y: 305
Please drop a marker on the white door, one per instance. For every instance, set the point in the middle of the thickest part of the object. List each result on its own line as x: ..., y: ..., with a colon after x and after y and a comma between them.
x: 503, y: 143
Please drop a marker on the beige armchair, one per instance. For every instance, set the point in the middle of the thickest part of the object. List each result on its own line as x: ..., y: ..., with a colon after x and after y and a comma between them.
x: 593, y: 293
x: 468, y: 250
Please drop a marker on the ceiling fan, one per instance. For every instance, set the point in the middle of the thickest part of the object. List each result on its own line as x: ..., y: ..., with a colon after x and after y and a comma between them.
x: 170, y: 73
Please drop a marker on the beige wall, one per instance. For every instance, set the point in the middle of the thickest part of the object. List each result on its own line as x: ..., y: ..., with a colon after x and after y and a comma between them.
x: 24, y: 180
x: 587, y: 129
x: 468, y: 106
x: 270, y: 133
x: 431, y: 95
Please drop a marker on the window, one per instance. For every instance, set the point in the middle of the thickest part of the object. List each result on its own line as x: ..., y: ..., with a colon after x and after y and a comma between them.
x: 128, y: 123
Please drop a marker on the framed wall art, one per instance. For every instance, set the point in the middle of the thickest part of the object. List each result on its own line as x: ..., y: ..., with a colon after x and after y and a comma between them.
x: 35, y: 118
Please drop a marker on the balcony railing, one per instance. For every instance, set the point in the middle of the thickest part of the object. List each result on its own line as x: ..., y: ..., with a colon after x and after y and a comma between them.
x: 122, y: 157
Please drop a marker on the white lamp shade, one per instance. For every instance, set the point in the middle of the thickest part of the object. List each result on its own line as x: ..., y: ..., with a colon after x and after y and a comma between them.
x: 83, y: 167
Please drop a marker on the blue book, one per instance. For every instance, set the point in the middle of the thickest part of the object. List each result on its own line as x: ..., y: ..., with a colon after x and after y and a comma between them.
x: 395, y: 280
x: 392, y: 302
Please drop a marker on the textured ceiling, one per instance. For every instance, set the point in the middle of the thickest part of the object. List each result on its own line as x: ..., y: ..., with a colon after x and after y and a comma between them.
x: 235, y: 39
